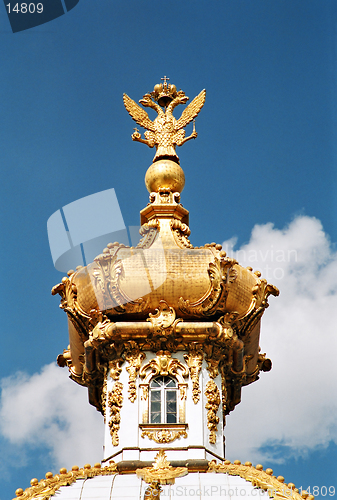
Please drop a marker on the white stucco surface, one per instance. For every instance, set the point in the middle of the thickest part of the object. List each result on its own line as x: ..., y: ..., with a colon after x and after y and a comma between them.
x: 194, y: 486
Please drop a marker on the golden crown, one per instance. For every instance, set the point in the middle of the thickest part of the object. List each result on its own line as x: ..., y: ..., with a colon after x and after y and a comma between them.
x: 164, y: 93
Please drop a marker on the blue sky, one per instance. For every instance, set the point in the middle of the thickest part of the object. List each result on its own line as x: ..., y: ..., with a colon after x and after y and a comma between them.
x: 265, y: 153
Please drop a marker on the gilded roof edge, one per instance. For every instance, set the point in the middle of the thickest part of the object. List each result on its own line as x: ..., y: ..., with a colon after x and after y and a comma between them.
x: 264, y: 479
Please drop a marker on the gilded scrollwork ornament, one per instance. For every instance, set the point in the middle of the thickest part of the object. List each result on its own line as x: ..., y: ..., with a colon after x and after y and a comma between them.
x: 164, y: 435
x: 161, y: 471
x: 213, y: 402
x: 224, y: 395
x: 163, y: 318
x: 104, y: 397
x: 149, y: 232
x: 221, y: 272
x: 115, y: 402
x: 115, y: 368
x: 47, y: 487
x: 105, y: 279
x: 153, y: 491
x: 164, y: 364
x: 194, y: 362
x: 68, y: 293
x: 134, y: 357
x: 181, y: 233
x: 261, y: 291
x: 214, y: 354
x: 102, y: 332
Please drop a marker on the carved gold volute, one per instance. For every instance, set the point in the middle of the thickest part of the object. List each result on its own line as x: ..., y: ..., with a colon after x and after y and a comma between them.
x: 164, y: 364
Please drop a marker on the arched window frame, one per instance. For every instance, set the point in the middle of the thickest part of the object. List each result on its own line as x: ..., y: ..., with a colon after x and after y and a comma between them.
x: 163, y: 365
x: 163, y: 392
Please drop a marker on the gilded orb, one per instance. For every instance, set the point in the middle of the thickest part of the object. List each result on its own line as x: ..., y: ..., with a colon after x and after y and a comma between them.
x: 165, y: 174
x: 158, y: 88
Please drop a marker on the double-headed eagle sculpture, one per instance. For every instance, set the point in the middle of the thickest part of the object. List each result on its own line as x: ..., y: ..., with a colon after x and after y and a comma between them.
x: 165, y: 132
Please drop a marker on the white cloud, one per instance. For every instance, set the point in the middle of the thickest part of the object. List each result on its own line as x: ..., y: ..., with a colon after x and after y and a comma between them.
x: 295, y: 405
x: 48, y: 409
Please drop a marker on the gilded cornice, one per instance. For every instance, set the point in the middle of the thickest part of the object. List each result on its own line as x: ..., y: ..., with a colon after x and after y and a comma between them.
x: 218, y: 342
x: 264, y: 479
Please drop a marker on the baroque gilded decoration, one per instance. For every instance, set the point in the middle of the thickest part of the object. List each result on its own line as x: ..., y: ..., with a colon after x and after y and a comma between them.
x: 194, y: 362
x: 149, y: 232
x: 163, y: 318
x: 134, y: 357
x: 161, y: 471
x: 105, y: 279
x: 221, y: 272
x: 181, y: 232
x: 163, y: 364
x: 212, y: 394
x: 46, y: 488
x: 204, y: 306
x: 264, y: 479
x: 275, y: 486
x: 115, y: 402
x: 164, y: 435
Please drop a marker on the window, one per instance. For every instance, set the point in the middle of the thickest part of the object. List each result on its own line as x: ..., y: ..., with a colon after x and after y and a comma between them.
x: 163, y: 401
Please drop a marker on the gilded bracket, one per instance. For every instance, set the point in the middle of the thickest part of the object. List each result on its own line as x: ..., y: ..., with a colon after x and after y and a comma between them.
x: 149, y: 232
x: 181, y: 233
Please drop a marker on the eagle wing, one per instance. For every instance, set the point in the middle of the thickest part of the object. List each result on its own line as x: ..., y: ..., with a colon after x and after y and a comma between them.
x: 137, y: 113
x: 191, y: 111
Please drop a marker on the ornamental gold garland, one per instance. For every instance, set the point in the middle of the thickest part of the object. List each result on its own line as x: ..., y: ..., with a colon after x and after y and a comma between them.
x: 115, y: 402
x: 213, y: 402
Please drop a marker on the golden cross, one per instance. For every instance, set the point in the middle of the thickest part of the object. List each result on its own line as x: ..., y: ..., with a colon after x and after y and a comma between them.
x: 165, y: 81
